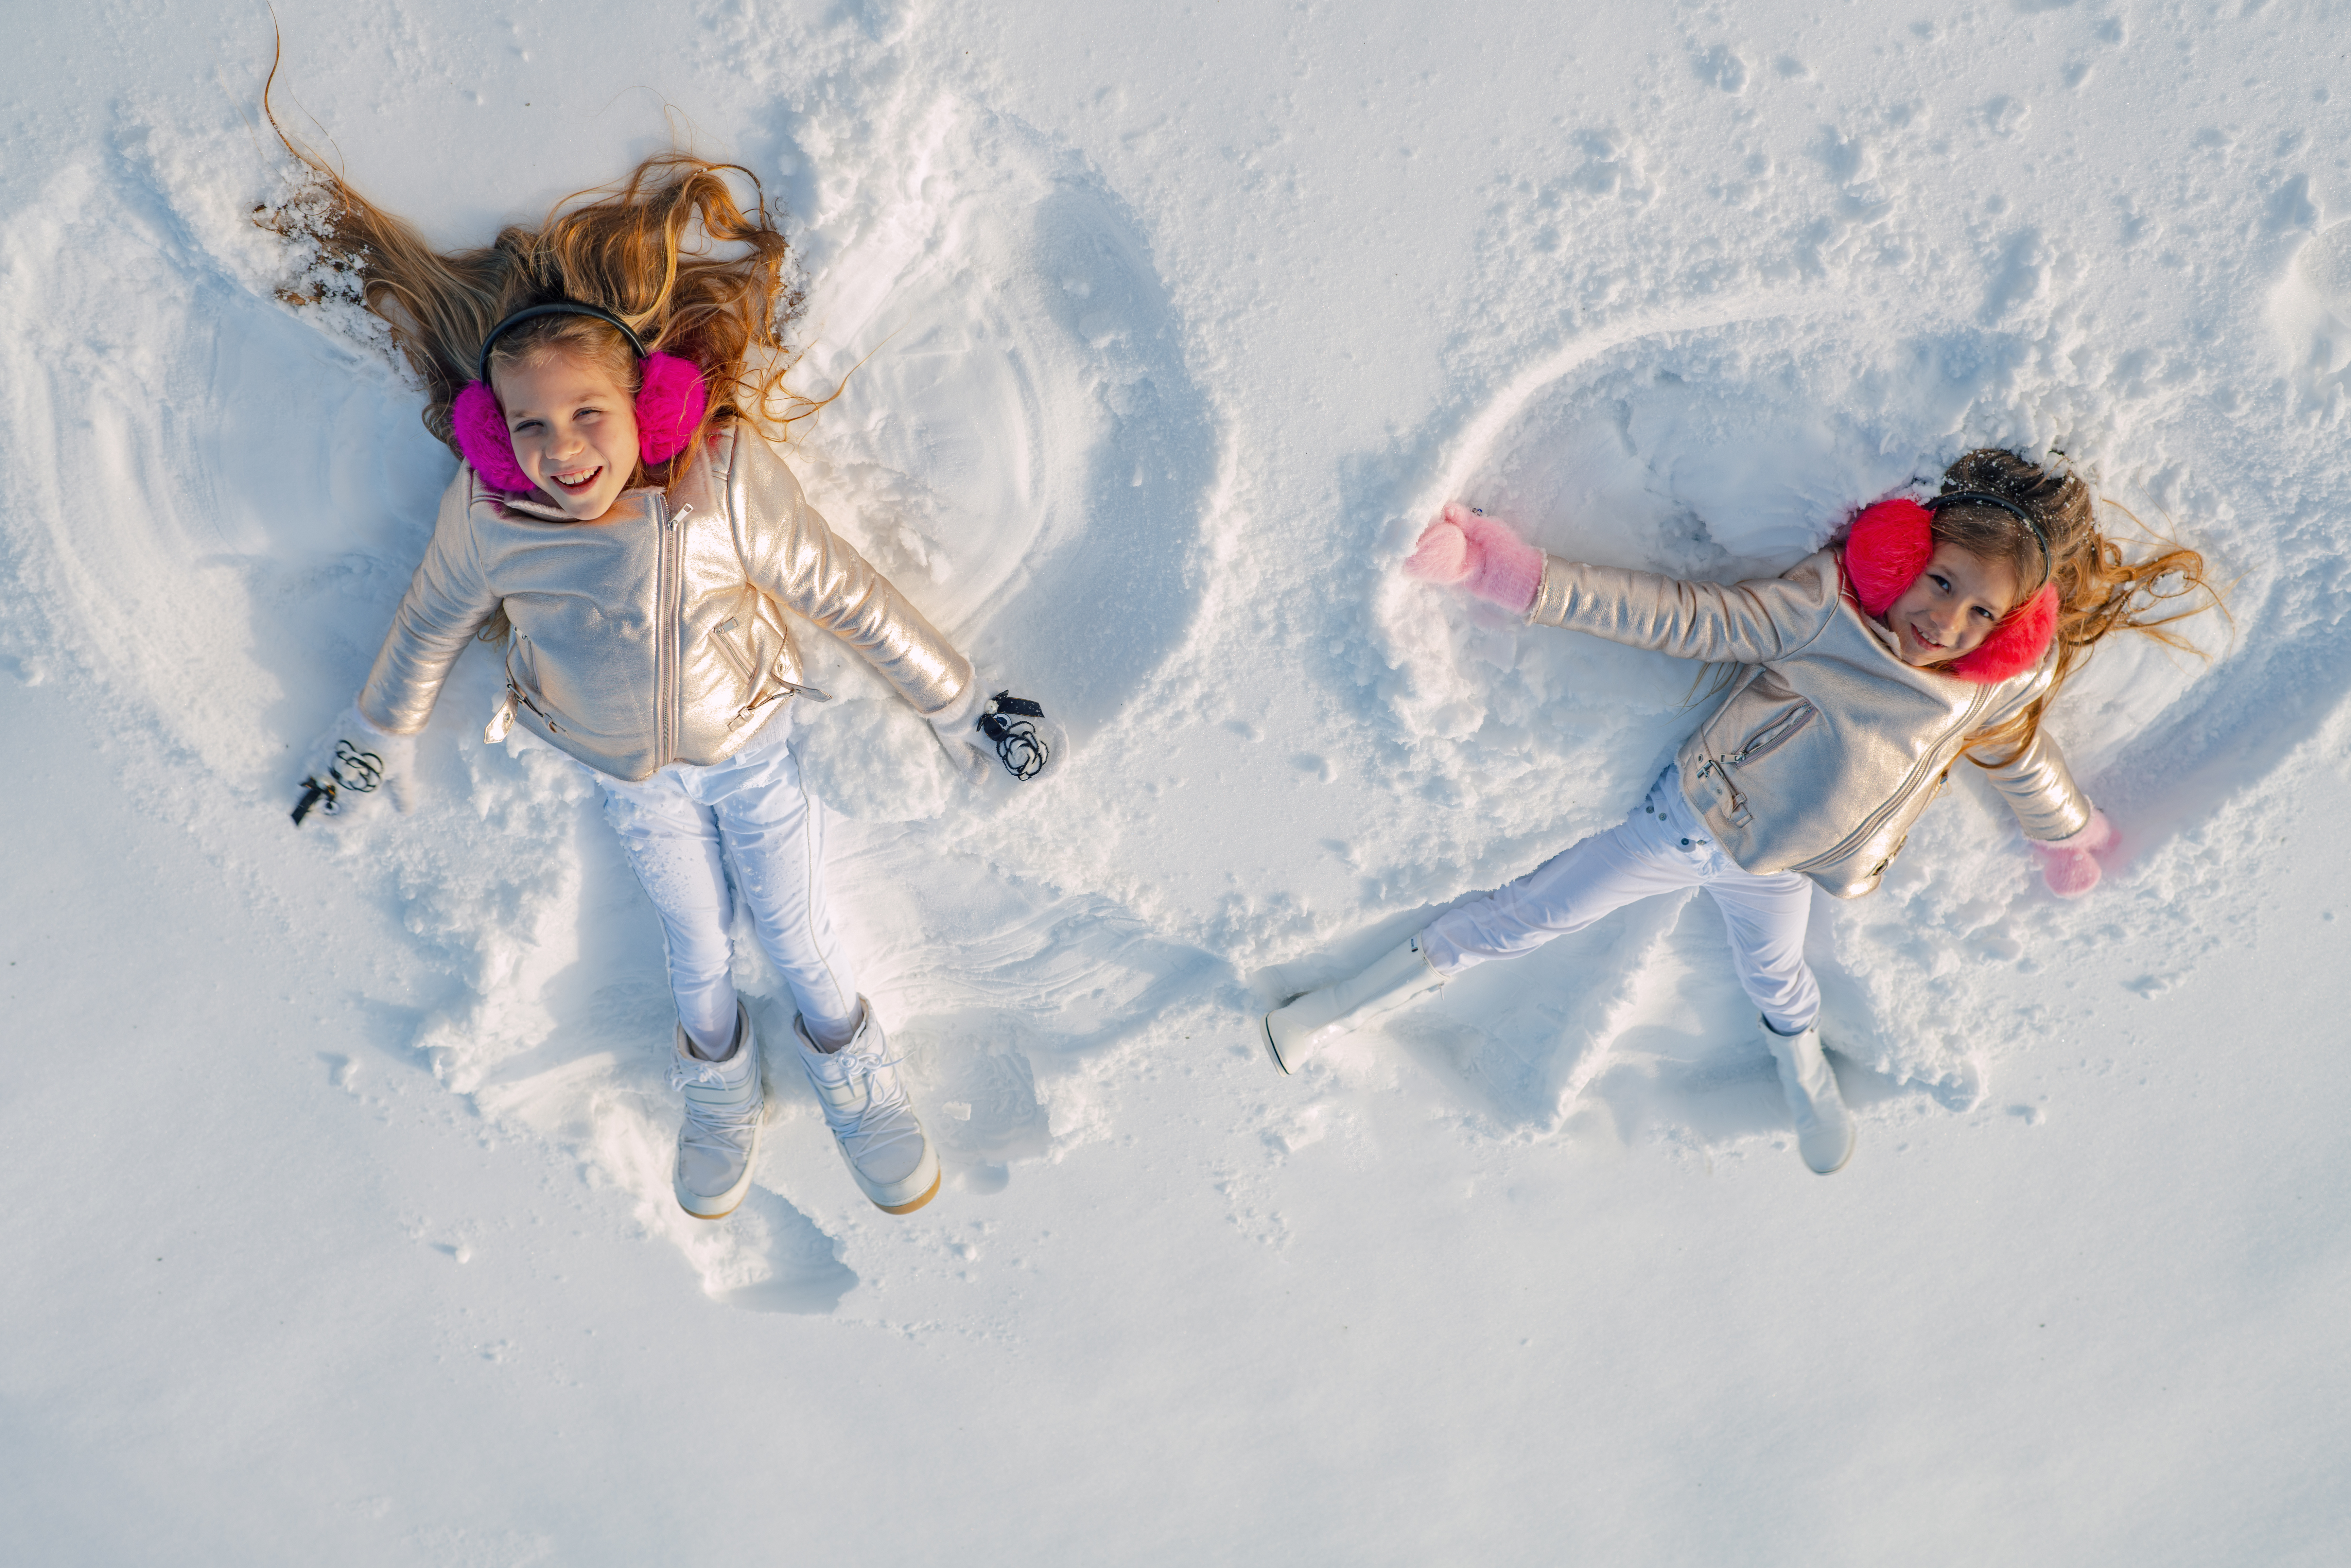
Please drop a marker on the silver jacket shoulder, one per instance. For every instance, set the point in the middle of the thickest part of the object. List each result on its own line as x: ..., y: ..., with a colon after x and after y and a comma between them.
x: 660, y: 633
x: 1826, y: 745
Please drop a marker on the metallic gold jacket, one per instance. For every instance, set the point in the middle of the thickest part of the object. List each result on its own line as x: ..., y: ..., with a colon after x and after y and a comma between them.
x: 1827, y: 747
x: 656, y: 634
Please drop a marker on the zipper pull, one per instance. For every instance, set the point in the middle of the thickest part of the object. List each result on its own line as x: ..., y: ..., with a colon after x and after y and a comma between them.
x: 681, y: 515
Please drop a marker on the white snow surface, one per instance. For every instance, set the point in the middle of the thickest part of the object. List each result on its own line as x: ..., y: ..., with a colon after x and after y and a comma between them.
x: 337, y: 1160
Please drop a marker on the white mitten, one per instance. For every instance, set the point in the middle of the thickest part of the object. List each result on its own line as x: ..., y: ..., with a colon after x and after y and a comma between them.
x: 1008, y: 729
x: 353, y: 765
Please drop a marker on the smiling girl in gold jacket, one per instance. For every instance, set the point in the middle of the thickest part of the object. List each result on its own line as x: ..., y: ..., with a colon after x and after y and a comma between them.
x: 1857, y: 678
x: 621, y: 524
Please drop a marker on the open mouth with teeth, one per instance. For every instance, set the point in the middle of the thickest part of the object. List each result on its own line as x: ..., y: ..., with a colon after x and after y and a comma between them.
x: 577, y: 479
x: 1926, y: 645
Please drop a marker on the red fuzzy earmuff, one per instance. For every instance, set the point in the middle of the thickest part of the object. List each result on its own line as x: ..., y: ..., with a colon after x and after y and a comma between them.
x: 1890, y: 545
x: 669, y: 406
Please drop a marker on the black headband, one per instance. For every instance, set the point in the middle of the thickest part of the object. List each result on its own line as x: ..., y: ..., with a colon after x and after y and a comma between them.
x: 1983, y: 498
x: 555, y: 308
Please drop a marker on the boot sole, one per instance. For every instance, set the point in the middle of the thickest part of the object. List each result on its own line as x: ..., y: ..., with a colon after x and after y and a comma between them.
x: 1852, y: 1140
x: 910, y: 1207
x: 1264, y: 1032
x: 741, y: 1193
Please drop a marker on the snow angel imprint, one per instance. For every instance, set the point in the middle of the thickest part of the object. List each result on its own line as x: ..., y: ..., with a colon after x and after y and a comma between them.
x: 1853, y: 682
x: 621, y: 524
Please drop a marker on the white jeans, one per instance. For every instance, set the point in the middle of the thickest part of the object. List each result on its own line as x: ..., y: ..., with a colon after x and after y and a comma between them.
x: 1662, y: 847
x: 685, y: 830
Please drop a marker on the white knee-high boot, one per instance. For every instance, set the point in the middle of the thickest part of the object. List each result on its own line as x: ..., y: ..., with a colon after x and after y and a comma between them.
x: 1309, y: 1022
x: 1823, y: 1126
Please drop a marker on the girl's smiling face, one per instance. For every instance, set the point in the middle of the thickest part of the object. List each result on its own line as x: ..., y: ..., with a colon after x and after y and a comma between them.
x: 574, y: 430
x: 1952, y: 607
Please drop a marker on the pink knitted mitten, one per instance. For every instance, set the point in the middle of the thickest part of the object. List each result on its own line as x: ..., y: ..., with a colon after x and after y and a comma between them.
x: 1471, y: 549
x: 2066, y: 865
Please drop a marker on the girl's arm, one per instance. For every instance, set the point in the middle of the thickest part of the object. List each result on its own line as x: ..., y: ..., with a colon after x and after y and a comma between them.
x: 2040, y: 789
x: 448, y: 602
x: 791, y: 555
x: 1754, y: 622
x: 2065, y: 831
x: 1757, y: 623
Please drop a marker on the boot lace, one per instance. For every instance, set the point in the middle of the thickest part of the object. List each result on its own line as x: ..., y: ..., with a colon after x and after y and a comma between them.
x: 886, y: 1119
x: 719, y: 1129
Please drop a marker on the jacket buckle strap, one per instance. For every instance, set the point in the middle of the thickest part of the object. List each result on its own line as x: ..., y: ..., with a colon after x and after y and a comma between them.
x: 501, y: 722
x: 783, y: 689
x: 1728, y: 798
x: 506, y: 710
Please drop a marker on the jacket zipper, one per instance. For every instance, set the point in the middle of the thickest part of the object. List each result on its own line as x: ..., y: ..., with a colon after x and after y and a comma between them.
x: 669, y: 594
x: 735, y: 655
x: 1876, y: 818
x: 514, y: 693
x: 1767, y: 740
x: 746, y: 666
x: 1716, y: 762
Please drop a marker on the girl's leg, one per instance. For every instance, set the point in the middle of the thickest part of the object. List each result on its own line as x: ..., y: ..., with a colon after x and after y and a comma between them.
x: 1766, y: 917
x: 775, y: 835
x: 1565, y: 894
x: 672, y: 845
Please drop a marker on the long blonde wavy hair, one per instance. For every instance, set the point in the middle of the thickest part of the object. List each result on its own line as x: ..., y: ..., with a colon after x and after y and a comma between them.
x: 669, y: 249
x: 2100, y: 590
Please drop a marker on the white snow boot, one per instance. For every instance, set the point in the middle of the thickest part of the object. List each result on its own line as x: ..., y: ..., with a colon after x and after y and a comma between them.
x: 866, y: 1108
x: 1823, y: 1126
x: 1307, y: 1023
x: 725, y: 1102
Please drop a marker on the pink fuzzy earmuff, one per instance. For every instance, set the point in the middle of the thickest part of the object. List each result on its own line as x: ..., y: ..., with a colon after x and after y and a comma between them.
x: 1890, y: 545
x: 670, y: 398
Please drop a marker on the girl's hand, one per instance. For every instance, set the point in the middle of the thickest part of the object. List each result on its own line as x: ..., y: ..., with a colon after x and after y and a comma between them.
x: 1467, y: 546
x: 354, y: 764
x: 2066, y: 864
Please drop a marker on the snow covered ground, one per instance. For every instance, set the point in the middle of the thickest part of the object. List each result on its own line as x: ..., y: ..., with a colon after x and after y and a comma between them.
x: 336, y: 1161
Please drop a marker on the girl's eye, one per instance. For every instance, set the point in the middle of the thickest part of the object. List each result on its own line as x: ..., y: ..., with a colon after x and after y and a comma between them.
x: 1942, y: 582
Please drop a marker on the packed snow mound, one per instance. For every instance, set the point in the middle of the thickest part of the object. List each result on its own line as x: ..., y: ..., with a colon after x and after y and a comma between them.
x: 873, y: 760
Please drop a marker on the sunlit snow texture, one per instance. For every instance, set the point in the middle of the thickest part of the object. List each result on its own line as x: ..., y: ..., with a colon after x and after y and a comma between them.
x: 338, y: 1159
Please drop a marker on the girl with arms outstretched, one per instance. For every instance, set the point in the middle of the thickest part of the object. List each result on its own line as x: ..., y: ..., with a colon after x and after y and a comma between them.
x: 621, y: 524
x: 1937, y: 631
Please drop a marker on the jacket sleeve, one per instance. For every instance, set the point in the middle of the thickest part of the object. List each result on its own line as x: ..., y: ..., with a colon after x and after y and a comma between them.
x: 448, y: 602
x: 2040, y: 789
x: 1757, y: 623
x: 791, y: 554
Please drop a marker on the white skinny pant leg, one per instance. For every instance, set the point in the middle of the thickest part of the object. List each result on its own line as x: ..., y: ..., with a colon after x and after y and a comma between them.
x: 1563, y: 895
x: 1660, y: 847
x: 1766, y: 917
x: 672, y: 845
x: 774, y: 833
x: 679, y: 828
